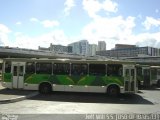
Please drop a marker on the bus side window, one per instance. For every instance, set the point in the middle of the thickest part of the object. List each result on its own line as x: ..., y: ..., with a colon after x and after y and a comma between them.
x: 139, y: 71
x: 114, y: 70
x: 61, y: 69
x: 8, y: 67
x: 79, y: 69
x: 30, y: 68
x: 43, y: 68
x: 97, y: 69
x: 158, y: 71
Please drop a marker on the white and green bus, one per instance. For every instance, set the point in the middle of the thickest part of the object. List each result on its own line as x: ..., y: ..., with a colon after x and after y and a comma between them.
x: 143, y: 75
x: 148, y: 75
x: 155, y: 75
x: 46, y: 75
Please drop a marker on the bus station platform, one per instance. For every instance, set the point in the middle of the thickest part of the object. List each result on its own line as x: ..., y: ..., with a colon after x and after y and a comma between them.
x: 13, y: 95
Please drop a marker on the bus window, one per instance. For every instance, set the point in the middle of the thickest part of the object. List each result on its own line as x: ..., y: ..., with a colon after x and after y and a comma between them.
x: 114, y: 70
x: 97, y: 69
x: 30, y: 67
x: 79, y: 69
x: 158, y: 71
x: 43, y: 68
x: 139, y: 71
x: 0, y: 66
x: 61, y: 69
x: 15, y: 71
x: 7, y: 67
x: 21, y: 70
x: 146, y: 72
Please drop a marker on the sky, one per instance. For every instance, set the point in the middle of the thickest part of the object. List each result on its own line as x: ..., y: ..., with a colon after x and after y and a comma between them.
x: 33, y: 23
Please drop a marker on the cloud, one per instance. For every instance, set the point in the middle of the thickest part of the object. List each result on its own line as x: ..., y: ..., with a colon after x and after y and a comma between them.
x: 44, y: 40
x: 111, y: 30
x: 110, y: 6
x: 69, y: 4
x: 94, y: 6
x: 4, y: 31
x: 18, y: 23
x: 17, y: 34
x: 46, y: 23
x: 157, y: 10
x: 114, y: 30
x: 150, y: 22
x: 49, y: 23
x: 34, y: 20
x: 148, y: 39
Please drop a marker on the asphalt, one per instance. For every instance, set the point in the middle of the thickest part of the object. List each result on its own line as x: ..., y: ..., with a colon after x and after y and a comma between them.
x: 14, y: 95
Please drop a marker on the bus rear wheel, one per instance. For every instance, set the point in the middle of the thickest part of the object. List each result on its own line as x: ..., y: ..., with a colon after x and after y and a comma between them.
x: 113, y: 90
x: 45, y: 88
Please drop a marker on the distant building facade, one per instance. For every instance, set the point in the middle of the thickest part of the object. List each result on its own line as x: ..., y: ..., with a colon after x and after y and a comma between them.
x: 129, y: 51
x: 58, y: 48
x: 84, y: 47
x: 92, y: 49
x: 123, y: 46
x: 80, y: 47
x: 43, y: 48
x: 101, y: 46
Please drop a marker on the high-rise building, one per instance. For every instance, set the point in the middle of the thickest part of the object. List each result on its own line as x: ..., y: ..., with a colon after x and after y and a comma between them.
x: 75, y: 47
x: 101, y: 45
x: 92, y: 49
x: 80, y: 47
x: 84, y: 47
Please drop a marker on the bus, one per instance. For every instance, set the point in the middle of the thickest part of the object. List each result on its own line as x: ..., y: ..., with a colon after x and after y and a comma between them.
x: 1, y: 62
x: 155, y: 75
x: 143, y: 75
x: 147, y: 75
x: 46, y: 75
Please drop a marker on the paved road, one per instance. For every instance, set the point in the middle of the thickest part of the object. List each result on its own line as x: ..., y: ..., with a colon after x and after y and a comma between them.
x: 146, y: 101
x: 13, y: 95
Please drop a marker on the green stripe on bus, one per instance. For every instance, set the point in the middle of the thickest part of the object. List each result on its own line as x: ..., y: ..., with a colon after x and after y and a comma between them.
x: 36, y: 78
x: 113, y: 79
x: 73, y: 80
x: 86, y: 80
x: 7, y: 77
x: 65, y: 80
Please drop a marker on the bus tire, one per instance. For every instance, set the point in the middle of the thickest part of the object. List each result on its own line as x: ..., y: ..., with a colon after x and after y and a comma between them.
x: 45, y: 88
x: 113, y: 90
x: 158, y: 83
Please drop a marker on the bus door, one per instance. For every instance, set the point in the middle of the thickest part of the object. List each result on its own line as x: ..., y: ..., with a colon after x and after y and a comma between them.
x: 146, y: 77
x: 18, y: 69
x: 129, y: 79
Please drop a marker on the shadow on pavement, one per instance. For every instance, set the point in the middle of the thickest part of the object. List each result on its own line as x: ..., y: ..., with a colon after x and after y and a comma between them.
x: 92, y: 98
x: 7, y: 91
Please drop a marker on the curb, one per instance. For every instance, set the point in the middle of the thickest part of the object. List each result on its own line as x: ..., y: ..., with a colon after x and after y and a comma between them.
x: 18, y: 98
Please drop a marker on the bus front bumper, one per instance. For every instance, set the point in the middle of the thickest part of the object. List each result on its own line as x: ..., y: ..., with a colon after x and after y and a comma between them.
x: 122, y: 90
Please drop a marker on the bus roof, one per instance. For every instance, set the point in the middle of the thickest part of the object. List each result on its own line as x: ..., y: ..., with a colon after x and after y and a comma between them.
x: 141, y: 65
x: 99, y: 61
x: 157, y: 67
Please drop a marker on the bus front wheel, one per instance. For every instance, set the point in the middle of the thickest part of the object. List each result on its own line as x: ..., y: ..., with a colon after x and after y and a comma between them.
x: 45, y: 88
x: 113, y: 90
